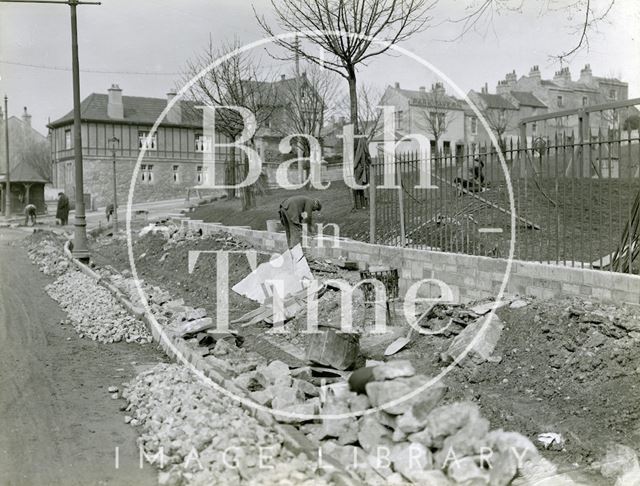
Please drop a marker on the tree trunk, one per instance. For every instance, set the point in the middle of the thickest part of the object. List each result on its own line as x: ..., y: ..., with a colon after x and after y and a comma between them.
x: 353, y: 100
x: 353, y: 105
x: 248, y: 196
x: 230, y: 178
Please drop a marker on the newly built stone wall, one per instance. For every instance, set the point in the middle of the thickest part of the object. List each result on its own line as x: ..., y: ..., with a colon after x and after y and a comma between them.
x: 469, y: 277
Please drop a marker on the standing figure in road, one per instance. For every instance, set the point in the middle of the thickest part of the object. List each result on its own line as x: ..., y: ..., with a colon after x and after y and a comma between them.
x: 29, y: 214
x: 62, y: 212
x: 109, y: 211
x: 294, y: 213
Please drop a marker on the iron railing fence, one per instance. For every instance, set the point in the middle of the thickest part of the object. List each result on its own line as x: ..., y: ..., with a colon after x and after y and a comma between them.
x: 574, y: 193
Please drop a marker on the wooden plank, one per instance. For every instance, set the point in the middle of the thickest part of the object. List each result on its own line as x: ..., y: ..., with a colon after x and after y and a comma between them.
x: 528, y: 223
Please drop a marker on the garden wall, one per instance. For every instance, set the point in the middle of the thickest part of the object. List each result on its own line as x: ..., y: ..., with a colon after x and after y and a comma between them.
x: 469, y: 277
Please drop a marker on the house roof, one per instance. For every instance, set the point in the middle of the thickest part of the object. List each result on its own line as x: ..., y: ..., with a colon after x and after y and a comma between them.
x: 22, y: 140
x: 528, y: 99
x: 496, y: 101
x: 25, y: 172
x: 137, y: 110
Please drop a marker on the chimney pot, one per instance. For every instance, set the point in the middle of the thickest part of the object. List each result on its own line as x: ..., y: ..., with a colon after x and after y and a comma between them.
x: 397, y: 85
x: 282, y: 77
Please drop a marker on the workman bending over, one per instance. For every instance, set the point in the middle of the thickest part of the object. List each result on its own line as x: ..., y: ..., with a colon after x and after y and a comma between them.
x: 29, y: 214
x: 294, y: 213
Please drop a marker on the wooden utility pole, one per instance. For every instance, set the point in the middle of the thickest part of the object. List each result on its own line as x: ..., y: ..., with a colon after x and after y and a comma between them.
x: 7, y: 206
x: 80, y: 245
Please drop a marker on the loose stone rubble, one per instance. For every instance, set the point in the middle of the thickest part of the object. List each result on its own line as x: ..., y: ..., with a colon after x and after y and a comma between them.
x: 423, y: 441
x: 94, y: 312
x: 49, y: 257
x: 199, y: 436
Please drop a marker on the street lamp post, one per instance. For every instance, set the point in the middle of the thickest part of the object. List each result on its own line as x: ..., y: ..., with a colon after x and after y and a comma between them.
x: 80, y: 245
x: 114, y: 143
x: 7, y: 206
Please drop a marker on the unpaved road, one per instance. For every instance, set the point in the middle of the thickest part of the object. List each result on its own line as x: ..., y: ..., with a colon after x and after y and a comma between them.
x: 58, y: 423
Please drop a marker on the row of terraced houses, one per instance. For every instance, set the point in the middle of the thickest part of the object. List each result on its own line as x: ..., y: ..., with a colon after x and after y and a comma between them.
x: 175, y: 155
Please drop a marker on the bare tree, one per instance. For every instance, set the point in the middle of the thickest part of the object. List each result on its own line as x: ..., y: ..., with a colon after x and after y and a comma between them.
x: 237, y: 81
x: 347, y: 29
x: 500, y: 120
x: 369, y: 112
x: 308, y: 102
x: 438, y: 113
x: 480, y: 13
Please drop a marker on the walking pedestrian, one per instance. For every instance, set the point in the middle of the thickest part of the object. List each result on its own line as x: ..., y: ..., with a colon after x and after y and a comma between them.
x: 30, y: 214
x: 295, y: 212
x: 109, y: 211
x: 62, y: 212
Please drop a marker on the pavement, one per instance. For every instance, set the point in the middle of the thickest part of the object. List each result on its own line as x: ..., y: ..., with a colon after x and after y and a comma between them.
x: 154, y: 210
x: 58, y: 423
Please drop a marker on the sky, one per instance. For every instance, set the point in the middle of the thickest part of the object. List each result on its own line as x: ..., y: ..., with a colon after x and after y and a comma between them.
x: 144, y: 45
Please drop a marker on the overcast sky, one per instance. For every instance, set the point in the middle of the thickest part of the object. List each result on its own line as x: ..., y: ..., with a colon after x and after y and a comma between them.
x: 127, y: 37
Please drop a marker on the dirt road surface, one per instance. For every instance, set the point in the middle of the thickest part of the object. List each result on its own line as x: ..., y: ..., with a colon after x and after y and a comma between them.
x: 58, y: 423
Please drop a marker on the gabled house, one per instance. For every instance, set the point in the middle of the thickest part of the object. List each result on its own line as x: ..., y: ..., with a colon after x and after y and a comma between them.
x: 434, y: 114
x: 174, y: 158
x: 30, y: 164
x: 500, y: 112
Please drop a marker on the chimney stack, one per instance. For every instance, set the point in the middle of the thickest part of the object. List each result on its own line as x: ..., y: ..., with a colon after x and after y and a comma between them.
x: 563, y: 76
x: 282, y: 77
x: 586, y: 76
x: 422, y: 89
x: 114, y: 105
x: 397, y: 85
x: 26, y: 118
x: 174, y: 115
x: 534, y: 73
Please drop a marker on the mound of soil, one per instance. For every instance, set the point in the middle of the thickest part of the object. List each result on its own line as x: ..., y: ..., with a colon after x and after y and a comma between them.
x: 565, y: 366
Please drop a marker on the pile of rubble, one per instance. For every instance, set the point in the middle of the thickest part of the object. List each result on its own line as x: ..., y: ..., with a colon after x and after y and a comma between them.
x: 94, y: 312
x: 48, y: 255
x: 420, y: 440
x: 197, y: 435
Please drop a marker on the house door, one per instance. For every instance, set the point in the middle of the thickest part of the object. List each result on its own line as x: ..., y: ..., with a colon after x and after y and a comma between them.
x: 459, y: 153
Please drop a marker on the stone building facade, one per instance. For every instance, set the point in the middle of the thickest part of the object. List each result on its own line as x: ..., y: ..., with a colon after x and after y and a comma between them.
x: 533, y: 95
x: 174, y: 160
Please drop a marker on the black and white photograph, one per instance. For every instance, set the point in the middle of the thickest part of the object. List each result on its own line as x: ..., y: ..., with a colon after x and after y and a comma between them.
x: 319, y: 242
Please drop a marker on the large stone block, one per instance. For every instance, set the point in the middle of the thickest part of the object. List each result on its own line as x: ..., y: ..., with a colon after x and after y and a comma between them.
x: 478, y: 340
x: 335, y: 349
x: 384, y: 393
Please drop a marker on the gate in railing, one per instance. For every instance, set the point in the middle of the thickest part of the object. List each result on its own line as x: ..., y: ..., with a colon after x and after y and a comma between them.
x: 575, y: 185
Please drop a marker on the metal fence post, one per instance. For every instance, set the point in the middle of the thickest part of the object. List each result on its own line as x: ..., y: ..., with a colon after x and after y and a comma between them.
x: 403, y: 237
x: 372, y: 201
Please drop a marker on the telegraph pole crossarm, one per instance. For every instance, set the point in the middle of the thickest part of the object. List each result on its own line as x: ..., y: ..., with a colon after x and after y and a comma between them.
x: 80, y: 244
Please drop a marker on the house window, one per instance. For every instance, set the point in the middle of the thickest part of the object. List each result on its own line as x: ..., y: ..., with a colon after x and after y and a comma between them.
x: 176, y: 174
x: 534, y: 128
x: 146, y: 173
x: 560, y: 101
x: 67, y: 138
x: 399, y: 118
x: 502, y: 116
x: 585, y: 101
x: 613, y: 94
x: 203, y: 143
x: 199, y: 174
x: 474, y: 126
x: 145, y: 142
